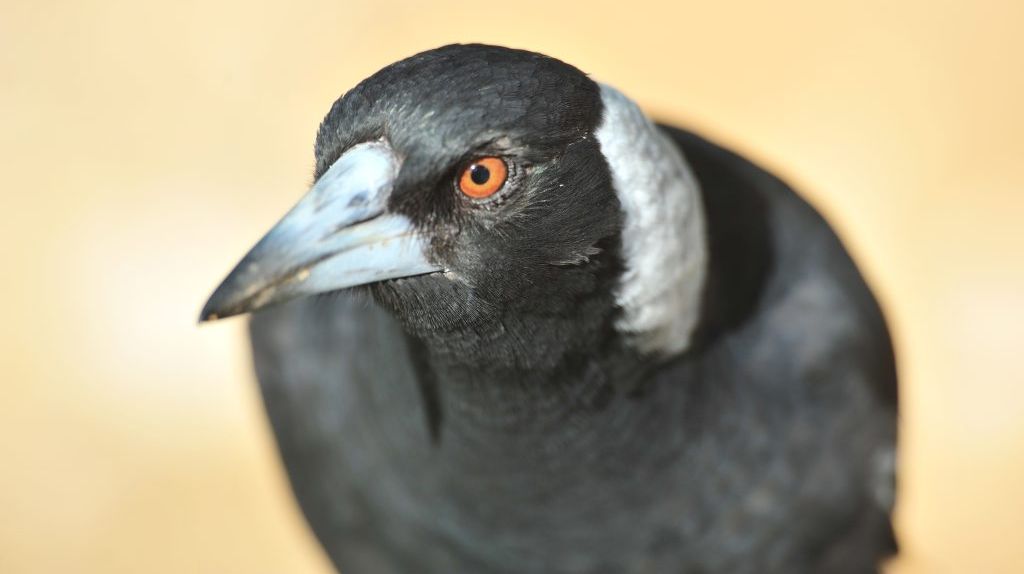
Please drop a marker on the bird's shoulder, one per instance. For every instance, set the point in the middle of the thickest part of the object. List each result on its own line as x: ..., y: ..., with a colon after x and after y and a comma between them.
x: 779, y: 273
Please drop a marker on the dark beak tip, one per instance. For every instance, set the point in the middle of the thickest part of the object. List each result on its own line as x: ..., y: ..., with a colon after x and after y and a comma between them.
x: 216, y: 308
x: 208, y: 314
x: 232, y: 298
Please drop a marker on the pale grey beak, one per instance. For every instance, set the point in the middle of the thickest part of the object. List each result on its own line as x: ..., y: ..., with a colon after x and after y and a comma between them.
x: 339, y: 235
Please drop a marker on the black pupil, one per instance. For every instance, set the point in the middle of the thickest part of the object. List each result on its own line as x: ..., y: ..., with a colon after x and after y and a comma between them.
x: 479, y: 174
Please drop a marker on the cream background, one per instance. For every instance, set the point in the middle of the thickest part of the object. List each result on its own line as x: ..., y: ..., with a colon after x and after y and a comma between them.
x: 145, y: 146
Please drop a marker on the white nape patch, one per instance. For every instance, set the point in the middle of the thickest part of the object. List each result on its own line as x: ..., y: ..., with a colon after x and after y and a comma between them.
x: 663, y: 238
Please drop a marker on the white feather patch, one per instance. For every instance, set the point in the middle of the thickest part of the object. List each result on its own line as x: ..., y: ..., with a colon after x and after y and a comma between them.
x: 663, y: 239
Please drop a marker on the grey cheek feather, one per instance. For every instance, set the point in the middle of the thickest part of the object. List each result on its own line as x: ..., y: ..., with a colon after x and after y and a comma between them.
x: 663, y: 239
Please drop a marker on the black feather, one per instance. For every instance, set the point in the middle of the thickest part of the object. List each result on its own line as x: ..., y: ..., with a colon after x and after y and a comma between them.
x: 493, y: 420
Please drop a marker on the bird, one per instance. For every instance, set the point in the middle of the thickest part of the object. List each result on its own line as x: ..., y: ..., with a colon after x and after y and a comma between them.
x: 516, y: 325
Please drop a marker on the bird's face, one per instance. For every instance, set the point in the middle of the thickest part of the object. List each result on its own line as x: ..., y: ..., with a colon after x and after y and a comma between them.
x: 454, y: 184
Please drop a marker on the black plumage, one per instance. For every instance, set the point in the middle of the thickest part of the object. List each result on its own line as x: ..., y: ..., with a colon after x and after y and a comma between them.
x: 491, y: 418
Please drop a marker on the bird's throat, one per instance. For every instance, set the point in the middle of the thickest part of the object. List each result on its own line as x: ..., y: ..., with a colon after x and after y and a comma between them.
x: 487, y: 364
x: 490, y: 379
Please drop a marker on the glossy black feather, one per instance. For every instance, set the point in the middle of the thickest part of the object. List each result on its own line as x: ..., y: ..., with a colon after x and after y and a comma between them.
x: 505, y: 427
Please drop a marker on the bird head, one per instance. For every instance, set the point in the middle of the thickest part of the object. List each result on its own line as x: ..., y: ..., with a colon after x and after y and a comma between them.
x: 471, y: 181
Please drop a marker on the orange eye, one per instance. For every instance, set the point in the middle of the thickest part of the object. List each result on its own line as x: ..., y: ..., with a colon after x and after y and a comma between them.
x: 484, y: 177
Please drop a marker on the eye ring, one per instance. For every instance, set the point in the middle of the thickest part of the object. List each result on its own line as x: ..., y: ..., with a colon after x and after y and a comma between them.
x: 483, y: 177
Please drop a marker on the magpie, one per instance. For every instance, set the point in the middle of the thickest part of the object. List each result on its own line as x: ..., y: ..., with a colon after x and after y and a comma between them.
x: 516, y: 326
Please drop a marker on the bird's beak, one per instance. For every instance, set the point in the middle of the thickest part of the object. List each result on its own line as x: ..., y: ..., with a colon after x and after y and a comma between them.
x: 339, y: 235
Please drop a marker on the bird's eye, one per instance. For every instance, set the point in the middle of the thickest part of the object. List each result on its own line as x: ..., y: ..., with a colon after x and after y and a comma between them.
x: 483, y: 178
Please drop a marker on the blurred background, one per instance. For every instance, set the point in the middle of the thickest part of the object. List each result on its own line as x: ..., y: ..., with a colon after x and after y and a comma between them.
x: 145, y: 146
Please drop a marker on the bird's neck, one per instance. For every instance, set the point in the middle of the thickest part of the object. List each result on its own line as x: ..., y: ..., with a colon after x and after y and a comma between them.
x: 526, y: 369
x: 503, y: 430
